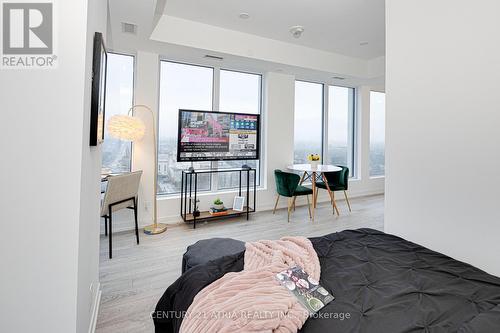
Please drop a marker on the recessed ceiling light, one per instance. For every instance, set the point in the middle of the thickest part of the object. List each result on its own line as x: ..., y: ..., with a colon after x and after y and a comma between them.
x: 363, y: 43
x: 297, y: 31
x: 244, y: 16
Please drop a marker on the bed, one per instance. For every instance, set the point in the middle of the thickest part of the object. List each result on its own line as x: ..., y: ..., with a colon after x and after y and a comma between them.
x: 382, y: 283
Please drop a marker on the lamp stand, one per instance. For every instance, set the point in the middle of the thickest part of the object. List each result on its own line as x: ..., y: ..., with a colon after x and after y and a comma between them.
x: 155, y: 228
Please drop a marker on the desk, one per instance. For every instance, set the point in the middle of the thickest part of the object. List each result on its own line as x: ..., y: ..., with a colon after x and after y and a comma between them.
x: 314, y: 174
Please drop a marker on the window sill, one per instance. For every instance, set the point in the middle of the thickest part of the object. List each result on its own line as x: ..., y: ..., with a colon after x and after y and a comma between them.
x: 377, y: 177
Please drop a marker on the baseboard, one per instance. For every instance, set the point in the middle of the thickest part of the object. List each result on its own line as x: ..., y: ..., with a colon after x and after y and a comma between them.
x: 175, y: 219
x: 95, y: 309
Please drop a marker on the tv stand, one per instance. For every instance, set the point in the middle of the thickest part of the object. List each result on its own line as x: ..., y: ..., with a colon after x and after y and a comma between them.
x: 189, y: 194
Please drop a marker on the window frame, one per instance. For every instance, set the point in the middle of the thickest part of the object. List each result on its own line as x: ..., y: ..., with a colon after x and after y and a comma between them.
x: 352, y: 123
x: 261, y: 129
x: 134, y: 82
x: 369, y: 135
x: 323, y: 113
x: 214, y: 186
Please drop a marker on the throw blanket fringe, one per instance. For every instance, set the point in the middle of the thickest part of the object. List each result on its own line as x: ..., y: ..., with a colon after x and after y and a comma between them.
x: 253, y: 300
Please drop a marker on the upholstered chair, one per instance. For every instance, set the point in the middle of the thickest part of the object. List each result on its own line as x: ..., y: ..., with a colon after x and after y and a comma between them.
x: 287, y: 185
x: 337, y: 181
x: 121, y: 193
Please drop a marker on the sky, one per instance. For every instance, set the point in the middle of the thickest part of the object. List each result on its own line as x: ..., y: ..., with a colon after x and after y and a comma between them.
x: 191, y: 87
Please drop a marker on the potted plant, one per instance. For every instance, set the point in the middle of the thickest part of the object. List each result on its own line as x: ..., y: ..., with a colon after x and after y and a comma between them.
x: 218, y: 204
x: 314, y: 160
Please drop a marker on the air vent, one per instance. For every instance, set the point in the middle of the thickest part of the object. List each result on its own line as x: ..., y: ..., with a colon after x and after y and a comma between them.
x: 129, y: 28
x: 338, y: 78
x: 208, y: 56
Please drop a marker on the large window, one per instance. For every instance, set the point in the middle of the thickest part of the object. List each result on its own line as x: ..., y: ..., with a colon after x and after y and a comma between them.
x: 311, y: 111
x: 116, y: 154
x: 377, y: 134
x: 239, y: 92
x: 341, y: 126
x: 192, y: 87
x: 181, y: 87
x: 308, y: 131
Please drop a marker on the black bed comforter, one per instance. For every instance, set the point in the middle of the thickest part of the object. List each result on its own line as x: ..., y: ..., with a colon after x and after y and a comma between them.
x: 382, y: 283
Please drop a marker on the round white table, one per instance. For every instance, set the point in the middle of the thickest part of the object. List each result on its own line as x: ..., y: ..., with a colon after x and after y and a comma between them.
x: 315, y: 173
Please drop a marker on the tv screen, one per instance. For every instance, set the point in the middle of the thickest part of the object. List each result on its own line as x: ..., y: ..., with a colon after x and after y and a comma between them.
x: 215, y: 136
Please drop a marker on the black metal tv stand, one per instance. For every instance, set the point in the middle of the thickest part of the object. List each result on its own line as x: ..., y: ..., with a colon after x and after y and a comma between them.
x: 189, y: 194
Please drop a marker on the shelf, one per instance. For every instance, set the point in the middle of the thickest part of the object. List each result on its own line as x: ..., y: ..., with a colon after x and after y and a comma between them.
x: 221, y: 170
x: 189, y: 194
x: 205, y: 215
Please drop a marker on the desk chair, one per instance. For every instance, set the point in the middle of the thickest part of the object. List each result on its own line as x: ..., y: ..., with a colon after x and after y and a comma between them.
x: 121, y: 193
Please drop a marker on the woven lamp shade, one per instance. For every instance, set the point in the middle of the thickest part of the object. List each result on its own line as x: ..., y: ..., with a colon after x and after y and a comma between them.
x: 126, y: 128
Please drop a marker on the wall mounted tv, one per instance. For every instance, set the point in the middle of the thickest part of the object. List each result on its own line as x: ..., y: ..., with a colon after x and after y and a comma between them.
x: 217, y: 136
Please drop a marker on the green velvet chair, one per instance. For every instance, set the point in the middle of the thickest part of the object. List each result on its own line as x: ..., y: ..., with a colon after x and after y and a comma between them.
x: 337, y: 181
x: 287, y: 185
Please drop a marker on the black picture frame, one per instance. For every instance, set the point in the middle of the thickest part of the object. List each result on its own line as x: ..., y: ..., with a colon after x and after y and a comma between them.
x: 97, y: 106
x: 205, y: 159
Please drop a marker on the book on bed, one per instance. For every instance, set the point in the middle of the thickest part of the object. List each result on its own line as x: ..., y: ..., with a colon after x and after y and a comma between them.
x: 307, y: 290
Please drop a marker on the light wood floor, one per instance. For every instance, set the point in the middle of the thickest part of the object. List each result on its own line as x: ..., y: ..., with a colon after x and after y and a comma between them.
x: 134, y: 280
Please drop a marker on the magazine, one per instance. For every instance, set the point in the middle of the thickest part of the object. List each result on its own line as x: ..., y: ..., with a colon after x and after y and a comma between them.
x: 307, y: 290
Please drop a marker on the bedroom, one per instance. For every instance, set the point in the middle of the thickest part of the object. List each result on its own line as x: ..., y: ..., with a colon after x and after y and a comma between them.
x: 344, y: 129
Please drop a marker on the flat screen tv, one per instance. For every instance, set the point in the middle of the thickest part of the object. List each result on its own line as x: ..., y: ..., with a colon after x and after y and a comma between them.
x: 217, y: 136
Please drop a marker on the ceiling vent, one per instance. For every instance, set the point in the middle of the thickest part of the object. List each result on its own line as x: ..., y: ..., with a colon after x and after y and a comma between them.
x: 208, y: 56
x: 338, y: 78
x: 129, y: 28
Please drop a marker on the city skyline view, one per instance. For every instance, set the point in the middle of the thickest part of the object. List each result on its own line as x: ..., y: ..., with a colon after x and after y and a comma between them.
x: 191, y: 87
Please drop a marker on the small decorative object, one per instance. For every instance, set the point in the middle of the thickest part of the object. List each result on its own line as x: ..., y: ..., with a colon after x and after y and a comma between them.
x: 314, y: 160
x: 98, y: 91
x: 196, y: 211
x: 238, y: 204
x: 218, y: 212
x: 218, y: 204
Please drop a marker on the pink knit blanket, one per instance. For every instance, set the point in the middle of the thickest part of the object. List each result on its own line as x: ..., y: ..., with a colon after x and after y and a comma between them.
x: 253, y: 300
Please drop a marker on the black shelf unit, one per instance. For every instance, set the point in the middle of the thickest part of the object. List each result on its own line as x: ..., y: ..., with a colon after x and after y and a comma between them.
x: 189, y: 194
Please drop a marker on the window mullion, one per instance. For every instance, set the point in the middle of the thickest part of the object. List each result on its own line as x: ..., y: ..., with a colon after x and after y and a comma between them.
x: 215, y: 107
x: 351, y: 152
x: 324, y: 144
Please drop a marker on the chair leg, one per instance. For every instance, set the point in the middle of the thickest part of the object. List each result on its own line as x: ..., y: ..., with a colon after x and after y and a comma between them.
x: 289, y: 208
x: 294, y: 199
x: 276, y: 204
x: 110, y: 234
x: 308, y: 206
x: 336, y: 209
x: 105, y: 225
x: 136, y: 224
x: 316, y: 196
x: 347, y: 200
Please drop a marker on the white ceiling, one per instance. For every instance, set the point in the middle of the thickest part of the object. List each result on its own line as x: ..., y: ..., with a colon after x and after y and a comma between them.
x: 331, y: 25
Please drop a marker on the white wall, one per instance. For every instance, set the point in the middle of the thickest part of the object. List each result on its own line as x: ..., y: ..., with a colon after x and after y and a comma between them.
x: 278, y: 121
x: 175, y: 30
x: 88, y: 246
x: 48, y: 209
x: 442, y: 145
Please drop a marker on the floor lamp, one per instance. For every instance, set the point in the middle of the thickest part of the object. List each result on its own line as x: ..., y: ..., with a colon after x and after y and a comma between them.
x: 132, y: 128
